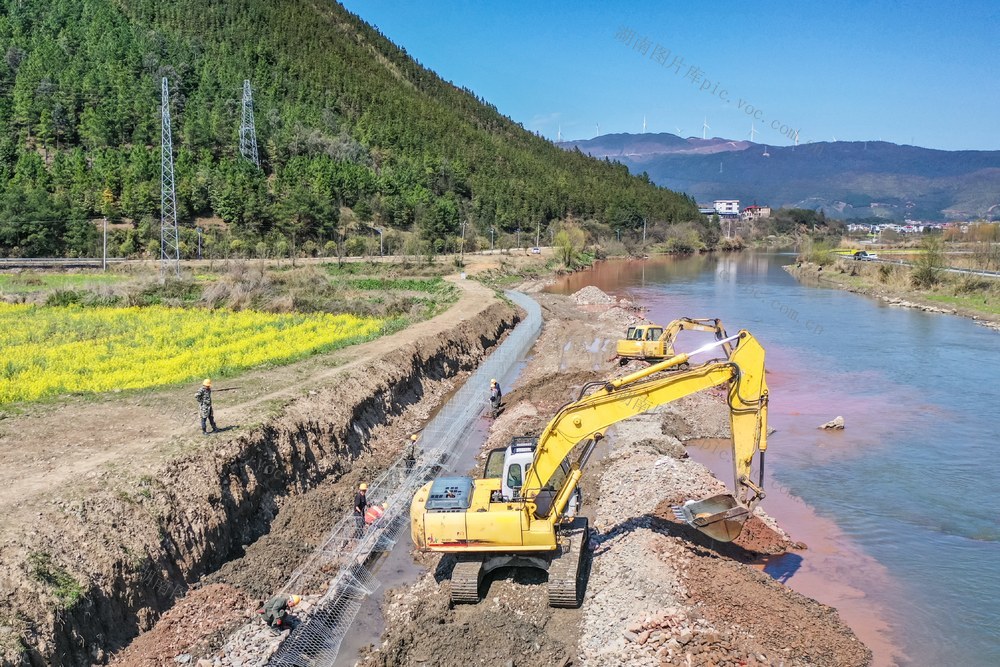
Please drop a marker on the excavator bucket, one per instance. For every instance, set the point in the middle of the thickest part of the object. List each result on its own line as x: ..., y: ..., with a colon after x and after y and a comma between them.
x: 720, y: 517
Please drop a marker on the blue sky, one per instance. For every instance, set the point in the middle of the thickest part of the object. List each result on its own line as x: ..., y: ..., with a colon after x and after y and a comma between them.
x: 926, y: 73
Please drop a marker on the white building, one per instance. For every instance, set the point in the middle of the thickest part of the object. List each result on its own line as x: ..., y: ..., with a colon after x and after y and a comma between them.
x: 727, y: 206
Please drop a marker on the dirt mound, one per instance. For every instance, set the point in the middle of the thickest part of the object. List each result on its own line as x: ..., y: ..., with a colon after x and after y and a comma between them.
x: 592, y: 296
x: 620, y: 317
x: 788, y: 627
x: 512, y: 625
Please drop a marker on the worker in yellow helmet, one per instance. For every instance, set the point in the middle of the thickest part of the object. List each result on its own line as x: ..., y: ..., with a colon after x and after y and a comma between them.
x: 360, y: 504
x: 495, y: 396
x: 275, y: 611
x: 410, y: 453
x: 204, y: 398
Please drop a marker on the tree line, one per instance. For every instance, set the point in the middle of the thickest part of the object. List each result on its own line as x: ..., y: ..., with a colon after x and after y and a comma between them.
x: 346, y: 122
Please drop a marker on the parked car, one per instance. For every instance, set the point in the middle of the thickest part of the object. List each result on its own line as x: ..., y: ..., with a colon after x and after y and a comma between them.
x: 865, y: 256
x: 536, y: 251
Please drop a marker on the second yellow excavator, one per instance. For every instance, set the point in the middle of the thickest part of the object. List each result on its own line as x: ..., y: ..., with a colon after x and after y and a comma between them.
x: 523, y: 512
x: 655, y: 342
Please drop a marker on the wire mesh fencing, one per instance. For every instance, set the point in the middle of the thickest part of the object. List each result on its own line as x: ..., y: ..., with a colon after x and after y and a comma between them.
x: 342, y: 566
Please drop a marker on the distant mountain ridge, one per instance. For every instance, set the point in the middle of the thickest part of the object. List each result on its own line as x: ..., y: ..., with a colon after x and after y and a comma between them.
x: 844, y: 179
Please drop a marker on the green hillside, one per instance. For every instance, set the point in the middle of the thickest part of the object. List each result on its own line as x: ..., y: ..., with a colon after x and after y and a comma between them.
x: 344, y: 119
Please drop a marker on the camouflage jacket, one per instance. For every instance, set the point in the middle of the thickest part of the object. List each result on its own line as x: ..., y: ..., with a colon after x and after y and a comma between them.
x: 204, y: 397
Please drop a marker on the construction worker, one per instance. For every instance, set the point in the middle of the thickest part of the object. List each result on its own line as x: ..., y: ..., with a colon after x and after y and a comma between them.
x: 204, y: 397
x: 275, y: 611
x: 410, y: 453
x: 495, y: 396
x: 374, y: 513
x: 360, y: 505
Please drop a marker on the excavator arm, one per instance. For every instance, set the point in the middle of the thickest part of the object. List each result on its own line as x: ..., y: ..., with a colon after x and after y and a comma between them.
x: 611, y: 402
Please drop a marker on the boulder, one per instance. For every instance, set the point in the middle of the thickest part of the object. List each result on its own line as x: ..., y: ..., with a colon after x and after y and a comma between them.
x: 835, y: 424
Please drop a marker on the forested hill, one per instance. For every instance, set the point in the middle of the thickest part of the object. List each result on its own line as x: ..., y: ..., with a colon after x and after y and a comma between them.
x: 343, y: 116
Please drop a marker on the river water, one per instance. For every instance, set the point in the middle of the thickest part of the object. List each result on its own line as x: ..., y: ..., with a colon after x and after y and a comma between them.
x: 901, y: 509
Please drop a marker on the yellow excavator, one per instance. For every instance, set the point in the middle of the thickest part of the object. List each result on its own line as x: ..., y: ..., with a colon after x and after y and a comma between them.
x: 523, y: 512
x: 655, y: 342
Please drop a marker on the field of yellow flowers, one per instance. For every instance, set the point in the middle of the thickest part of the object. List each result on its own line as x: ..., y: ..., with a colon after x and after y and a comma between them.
x: 50, y: 350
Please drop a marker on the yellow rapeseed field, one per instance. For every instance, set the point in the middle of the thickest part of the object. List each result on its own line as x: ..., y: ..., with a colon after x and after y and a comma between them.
x: 49, y: 350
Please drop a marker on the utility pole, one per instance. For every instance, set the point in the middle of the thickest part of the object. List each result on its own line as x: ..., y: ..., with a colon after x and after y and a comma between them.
x: 644, y: 231
x: 538, y: 229
x: 462, y: 250
x: 492, y: 229
x: 104, y: 262
x: 170, y: 249
x: 199, y: 242
x: 518, y: 237
x: 248, y: 131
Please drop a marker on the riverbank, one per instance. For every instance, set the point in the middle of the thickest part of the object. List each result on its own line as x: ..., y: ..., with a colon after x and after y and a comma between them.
x: 975, y: 298
x: 657, y: 591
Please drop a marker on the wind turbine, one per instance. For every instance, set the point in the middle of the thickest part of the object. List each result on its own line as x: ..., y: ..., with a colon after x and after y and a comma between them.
x: 559, y: 134
x: 644, y: 123
x: 753, y: 131
x: 598, y: 129
x: 705, y: 128
x: 680, y: 132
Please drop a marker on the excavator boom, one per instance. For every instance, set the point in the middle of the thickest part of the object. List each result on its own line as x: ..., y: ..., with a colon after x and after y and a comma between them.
x: 525, y: 514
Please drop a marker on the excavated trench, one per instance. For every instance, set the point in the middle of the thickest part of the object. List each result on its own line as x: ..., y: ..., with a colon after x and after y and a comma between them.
x: 207, y: 517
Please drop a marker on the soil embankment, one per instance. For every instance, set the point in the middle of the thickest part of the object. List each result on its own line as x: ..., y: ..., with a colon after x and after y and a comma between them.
x: 108, y: 532
x: 658, y: 592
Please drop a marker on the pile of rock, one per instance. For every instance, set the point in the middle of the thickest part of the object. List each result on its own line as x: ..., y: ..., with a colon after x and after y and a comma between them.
x: 253, y: 643
x: 592, y: 296
x: 903, y: 303
x: 620, y: 317
x: 674, y: 636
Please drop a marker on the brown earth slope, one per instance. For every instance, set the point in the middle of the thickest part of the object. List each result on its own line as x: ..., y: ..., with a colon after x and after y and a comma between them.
x: 111, y: 507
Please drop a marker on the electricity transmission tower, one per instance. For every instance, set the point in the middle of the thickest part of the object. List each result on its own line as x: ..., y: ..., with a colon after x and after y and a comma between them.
x: 169, y: 245
x: 248, y: 133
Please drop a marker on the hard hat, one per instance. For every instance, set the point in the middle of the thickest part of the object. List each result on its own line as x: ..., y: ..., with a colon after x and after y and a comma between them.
x: 413, y: 437
x: 294, y: 600
x: 385, y: 506
x: 493, y: 381
x: 363, y: 486
x: 207, y: 382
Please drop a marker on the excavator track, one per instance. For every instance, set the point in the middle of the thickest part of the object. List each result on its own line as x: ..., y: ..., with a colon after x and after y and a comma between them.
x: 465, y: 580
x: 564, y: 570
